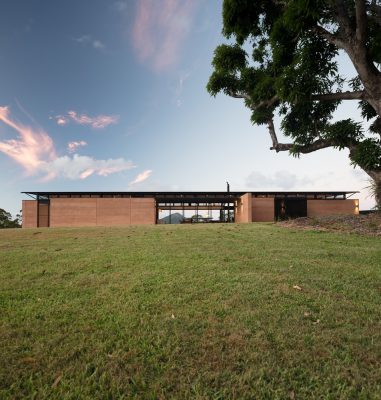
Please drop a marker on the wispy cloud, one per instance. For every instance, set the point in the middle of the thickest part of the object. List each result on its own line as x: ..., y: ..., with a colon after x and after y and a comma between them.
x: 61, y: 120
x: 31, y: 149
x: 97, y: 122
x: 280, y: 180
x: 160, y: 29
x: 141, y: 177
x: 180, y: 87
x: 97, y: 44
x: 81, y: 167
x: 88, y: 40
x: 336, y: 180
x: 73, y: 146
x: 121, y: 6
x: 34, y: 150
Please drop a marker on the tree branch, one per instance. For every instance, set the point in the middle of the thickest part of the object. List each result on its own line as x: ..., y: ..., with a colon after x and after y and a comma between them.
x: 361, y: 21
x: 356, y: 95
x: 276, y: 145
x: 342, y: 15
x: 330, y: 37
x: 239, y: 95
x: 268, y: 103
x: 263, y: 103
x: 317, y: 145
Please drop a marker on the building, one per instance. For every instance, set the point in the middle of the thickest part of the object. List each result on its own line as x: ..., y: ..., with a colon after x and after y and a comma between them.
x: 68, y: 209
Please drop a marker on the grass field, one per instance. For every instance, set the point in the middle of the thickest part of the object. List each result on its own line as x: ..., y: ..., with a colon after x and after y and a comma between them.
x: 251, y: 311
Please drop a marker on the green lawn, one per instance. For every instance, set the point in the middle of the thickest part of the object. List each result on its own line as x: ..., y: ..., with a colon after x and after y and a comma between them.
x: 178, y: 312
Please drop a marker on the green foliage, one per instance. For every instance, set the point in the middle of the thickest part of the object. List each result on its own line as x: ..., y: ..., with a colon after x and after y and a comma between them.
x: 261, y: 115
x: 368, y: 154
x: 367, y: 111
x: 307, y: 120
x: 228, y: 62
x: 241, y: 19
x: 375, y: 191
x: 313, y: 71
x: 344, y: 133
x: 291, y: 61
x: 229, y: 59
x: 375, y: 126
x: 374, y: 40
x: 6, y: 220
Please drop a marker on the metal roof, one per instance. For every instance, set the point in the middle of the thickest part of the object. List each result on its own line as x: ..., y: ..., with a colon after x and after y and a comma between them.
x: 177, y: 195
x: 197, y: 192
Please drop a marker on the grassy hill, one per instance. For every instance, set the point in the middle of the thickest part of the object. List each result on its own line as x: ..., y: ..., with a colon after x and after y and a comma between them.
x: 197, y: 311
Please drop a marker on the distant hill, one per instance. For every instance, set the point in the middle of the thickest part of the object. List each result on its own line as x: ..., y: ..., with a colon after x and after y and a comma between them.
x: 176, y: 218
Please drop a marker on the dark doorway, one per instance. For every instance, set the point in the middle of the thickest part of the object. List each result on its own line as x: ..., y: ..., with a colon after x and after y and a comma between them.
x: 288, y: 208
x: 43, y: 214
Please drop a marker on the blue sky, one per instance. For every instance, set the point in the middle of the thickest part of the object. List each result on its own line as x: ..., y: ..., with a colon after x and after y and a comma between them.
x: 110, y: 95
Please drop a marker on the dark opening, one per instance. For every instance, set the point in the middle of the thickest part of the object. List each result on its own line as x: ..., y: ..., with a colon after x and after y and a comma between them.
x: 43, y: 214
x: 288, y: 208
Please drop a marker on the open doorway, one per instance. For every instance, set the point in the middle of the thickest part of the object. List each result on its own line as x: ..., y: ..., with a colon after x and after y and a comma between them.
x: 289, y: 208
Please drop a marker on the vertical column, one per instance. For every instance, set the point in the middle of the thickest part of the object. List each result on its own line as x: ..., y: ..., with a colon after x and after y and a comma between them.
x: 244, y: 208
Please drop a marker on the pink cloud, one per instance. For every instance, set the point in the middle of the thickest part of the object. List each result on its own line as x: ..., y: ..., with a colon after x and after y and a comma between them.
x: 141, y: 177
x: 73, y: 146
x: 86, y: 173
x: 31, y: 149
x: 61, y: 120
x: 34, y: 150
x: 98, y: 122
x: 160, y: 29
x: 110, y: 169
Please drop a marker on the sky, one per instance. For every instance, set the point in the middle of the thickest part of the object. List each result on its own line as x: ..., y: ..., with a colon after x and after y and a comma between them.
x: 102, y: 95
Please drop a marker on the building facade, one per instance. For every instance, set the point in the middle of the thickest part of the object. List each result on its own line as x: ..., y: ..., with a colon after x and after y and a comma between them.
x: 71, y: 209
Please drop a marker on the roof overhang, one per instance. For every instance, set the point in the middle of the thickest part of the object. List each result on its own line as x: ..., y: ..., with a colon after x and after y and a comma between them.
x: 193, y: 196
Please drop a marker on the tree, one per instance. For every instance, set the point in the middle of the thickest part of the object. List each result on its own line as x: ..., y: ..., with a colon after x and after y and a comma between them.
x: 292, y: 71
x: 6, y: 220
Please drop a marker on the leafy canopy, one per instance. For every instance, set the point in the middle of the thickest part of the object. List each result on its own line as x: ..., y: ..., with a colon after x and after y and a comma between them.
x: 282, y: 58
x: 6, y: 220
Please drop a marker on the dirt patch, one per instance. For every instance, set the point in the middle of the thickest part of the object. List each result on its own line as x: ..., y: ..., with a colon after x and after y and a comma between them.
x: 363, y: 224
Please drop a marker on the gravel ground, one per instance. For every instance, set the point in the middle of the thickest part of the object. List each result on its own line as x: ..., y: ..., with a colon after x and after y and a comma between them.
x: 363, y: 224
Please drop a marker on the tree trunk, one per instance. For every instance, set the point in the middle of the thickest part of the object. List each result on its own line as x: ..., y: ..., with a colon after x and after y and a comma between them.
x: 375, y: 187
x: 369, y: 75
x: 375, y: 102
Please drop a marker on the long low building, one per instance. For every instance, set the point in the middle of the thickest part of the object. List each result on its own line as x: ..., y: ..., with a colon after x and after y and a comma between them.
x: 69, y: 209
